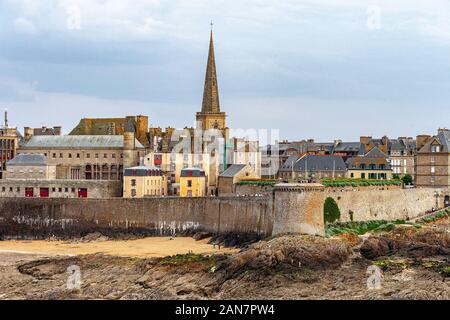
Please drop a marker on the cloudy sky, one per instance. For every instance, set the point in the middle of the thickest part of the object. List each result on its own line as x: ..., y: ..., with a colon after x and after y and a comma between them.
x: 321, y: 69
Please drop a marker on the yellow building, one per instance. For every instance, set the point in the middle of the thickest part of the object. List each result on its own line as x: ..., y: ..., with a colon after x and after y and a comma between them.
x: 142, y: 182
x: 193, y: 183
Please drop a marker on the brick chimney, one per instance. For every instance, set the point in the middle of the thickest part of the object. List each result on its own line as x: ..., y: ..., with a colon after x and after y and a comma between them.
x: 422, y: 140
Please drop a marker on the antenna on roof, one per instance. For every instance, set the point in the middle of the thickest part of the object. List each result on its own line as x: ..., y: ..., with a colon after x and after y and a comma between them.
x: 6, y: 117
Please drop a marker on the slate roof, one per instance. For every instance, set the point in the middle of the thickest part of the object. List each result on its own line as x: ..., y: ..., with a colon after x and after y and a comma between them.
x: 314, y: 163
x: 142, y: 171
x: 233, y: 170
x: 193, y: 172
x: 77, y: 142
x: 375, y: 153
x: 26, y: 159
x: 444, y: 138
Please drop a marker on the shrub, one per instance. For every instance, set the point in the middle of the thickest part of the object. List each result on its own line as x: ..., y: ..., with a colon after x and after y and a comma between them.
x: 331, y: 211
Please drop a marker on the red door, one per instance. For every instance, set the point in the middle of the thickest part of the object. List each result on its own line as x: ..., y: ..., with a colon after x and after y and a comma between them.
x: 29, y: 192
x: 44, y: 192
x: 82, y: 193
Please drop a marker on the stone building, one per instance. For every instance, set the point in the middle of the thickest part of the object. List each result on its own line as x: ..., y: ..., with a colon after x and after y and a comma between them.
x: 114, y: 126
x: 373, y: 165
x: 433, y: 160
x: 234, y: 174
x: 402, y: 156
x: 29, y: 188
x: 140, y: 182
x: 313, y: 167
x: 9, y: 142
x: 207, y: 146
x: 211, y: 117
x: 87, y: 157
x: 30, y: 166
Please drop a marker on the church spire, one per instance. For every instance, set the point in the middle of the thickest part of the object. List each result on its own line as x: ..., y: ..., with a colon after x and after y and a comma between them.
x: 211, y: 102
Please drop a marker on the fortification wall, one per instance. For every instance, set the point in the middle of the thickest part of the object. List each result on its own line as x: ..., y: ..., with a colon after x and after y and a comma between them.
x: 288, y: 210
x: 300, y: 210
x: 22, y: 217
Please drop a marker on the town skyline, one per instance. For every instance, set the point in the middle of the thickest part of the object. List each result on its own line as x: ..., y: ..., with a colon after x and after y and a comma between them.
x: 158, y: 71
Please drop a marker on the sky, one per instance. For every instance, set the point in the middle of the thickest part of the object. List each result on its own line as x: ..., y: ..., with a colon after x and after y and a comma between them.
x: 322, y: 69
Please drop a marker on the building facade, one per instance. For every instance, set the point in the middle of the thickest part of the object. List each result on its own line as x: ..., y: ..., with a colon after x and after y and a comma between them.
x: 31, y: 167
x: 433, y: 160
x: 193, y: 183
x: 313, y: 167
x: 87, y: 157
x: 140, y: 182
x: 9, y: 142
x: 373, y: 165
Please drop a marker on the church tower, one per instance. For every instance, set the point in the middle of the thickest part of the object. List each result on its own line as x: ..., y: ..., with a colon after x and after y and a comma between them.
x: 211, y: 117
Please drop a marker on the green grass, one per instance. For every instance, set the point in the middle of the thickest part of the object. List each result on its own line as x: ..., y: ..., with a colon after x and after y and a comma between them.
x: 360, y: 228
x: 359, y: 182
x: 262, y: 183
x: 436, y: 216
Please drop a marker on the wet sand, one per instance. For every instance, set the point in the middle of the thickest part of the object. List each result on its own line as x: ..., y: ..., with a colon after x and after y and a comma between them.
x: 141, y: 248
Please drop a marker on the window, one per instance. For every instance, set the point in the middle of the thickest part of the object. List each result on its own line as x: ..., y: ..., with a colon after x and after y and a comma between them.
x: 61, y: 155
x: 54, y: 155
x: 189, y: 183
x: 133, y: 182
x: 382, y: 167
x: 113, y: 155
x: 435, y: 148
x: 78, y: 156
x: 433, y: 169
x: 362, y: 166
x: 70, y: 156
x: 66, y: 189
x: 88, y: 155
x: 96, y: 155
x: 105, y: 156
x: 53, y: 189
x: 59, y: 189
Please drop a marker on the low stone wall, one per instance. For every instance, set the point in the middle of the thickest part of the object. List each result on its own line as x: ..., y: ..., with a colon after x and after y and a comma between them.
x: 27, y: 217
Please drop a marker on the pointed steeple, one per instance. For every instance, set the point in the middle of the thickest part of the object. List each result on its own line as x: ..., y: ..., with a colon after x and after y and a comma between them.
x: 211, y: 102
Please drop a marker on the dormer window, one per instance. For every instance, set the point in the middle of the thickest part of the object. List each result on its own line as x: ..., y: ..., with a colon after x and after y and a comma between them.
x: 435, y: 149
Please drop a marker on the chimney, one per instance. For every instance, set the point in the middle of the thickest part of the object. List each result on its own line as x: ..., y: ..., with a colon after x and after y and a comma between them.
x: 422, y: 140
x: 365, y: 139
x: 442, y: 130
x: 57, y: 131
x: 28, y: 133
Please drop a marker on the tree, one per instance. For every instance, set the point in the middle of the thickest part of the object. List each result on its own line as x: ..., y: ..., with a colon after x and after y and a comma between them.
x: 331, y: 211
x: 396, y: 177
x: 407, y: 180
